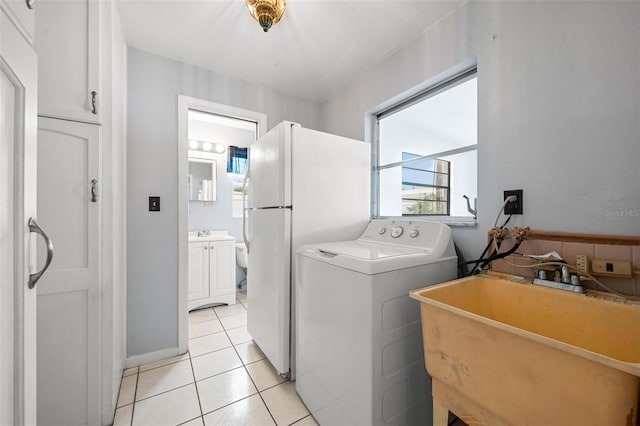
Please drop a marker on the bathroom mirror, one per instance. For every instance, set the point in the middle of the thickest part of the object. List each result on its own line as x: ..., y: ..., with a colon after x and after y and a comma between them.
x: 202, y: 179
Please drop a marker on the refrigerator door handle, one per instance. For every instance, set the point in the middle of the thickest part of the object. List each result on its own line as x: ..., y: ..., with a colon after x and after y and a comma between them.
x: 244, y: 210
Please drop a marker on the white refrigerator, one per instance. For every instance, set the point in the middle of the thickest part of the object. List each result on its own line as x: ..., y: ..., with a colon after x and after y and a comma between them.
x: 304, y: 187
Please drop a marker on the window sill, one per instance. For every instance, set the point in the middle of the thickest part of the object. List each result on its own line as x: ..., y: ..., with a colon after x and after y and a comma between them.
x: 451, y: 221
x: 457, y: 221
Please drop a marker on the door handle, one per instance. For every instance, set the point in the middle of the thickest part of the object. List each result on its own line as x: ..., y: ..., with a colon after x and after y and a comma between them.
x: 94, y: 190
x: 33, y: 227
x: 94, y: 95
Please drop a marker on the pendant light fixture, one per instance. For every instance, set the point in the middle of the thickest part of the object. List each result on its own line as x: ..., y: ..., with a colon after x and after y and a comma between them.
x: 266, y: 12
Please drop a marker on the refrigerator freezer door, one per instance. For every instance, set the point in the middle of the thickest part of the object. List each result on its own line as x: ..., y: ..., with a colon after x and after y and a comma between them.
x: 270, y: 168
x: 268, y: 284
x: 330, y: 187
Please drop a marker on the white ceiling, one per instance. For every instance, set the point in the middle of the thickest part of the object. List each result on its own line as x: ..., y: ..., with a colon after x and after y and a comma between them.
x: 317, y: 47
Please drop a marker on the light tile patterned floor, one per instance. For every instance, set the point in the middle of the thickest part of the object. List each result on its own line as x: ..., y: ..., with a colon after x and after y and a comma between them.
x: 224, y: 380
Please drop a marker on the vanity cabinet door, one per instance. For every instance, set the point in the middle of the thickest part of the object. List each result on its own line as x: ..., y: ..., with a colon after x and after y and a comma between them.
x: 198, y: 271
x: 223, y: 270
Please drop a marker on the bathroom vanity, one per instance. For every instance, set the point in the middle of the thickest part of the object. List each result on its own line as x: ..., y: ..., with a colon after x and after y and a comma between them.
x: 212, y: 269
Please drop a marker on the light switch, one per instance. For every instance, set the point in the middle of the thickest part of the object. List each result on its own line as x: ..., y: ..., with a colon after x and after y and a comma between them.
x: 154, y: 204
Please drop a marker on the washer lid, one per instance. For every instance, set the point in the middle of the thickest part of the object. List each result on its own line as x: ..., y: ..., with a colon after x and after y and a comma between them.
x: 368, y: 258
x: 366, y: 251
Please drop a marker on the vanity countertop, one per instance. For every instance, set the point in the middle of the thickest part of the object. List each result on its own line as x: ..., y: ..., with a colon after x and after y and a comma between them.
x: 211, y: 235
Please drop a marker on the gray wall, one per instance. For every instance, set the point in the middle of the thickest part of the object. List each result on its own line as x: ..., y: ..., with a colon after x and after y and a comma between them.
x: 152, y: 169
x: 558, y: 104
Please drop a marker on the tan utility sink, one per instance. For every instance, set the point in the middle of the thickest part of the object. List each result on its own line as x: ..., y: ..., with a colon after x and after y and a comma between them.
x: 506, y: 353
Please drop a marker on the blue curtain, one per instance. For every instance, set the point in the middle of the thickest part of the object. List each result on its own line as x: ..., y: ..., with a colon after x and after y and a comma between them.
x: 238, y: 161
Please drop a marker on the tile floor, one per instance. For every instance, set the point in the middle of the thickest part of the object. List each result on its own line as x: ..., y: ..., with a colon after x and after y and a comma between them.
x: 224, y: 379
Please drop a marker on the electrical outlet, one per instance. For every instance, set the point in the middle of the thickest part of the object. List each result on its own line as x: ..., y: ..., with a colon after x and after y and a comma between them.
x: 611, y: 268
x: 582, y: 263
x: 514, y: 207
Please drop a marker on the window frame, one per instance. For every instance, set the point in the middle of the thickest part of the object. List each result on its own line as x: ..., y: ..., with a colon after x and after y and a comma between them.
x: 231, y: 151
x: 447, y: 202
x: 403, y: 103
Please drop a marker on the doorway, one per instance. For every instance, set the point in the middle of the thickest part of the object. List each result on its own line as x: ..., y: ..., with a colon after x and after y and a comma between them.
x: 210, y: 202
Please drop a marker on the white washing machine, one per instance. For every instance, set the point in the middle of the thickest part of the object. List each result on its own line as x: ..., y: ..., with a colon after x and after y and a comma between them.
x: 358, y: 338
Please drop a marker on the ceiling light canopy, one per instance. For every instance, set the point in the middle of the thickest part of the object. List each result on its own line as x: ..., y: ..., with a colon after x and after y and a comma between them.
x: 266, y: 12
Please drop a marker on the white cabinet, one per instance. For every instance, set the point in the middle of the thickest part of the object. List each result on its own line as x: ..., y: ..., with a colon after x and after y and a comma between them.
x: 68, y: 46
x: 81, y: 307
x: 22, y: 17
x: 198, y: 271
x: 212, y: 273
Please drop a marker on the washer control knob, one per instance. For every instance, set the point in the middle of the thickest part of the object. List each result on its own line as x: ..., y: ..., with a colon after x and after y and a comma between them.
x: 396, y: 231
x: 414, y: 233
x: 382, y: 230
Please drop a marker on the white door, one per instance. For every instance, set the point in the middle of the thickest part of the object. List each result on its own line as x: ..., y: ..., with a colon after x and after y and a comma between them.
x: 270, y: 169
x: 69, y: 294
x: 198, y: 271
x: 268, y: 284
x: 18, y: 100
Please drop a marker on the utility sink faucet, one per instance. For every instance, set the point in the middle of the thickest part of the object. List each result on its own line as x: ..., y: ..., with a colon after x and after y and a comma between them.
x: 566, y: 282
x: 474, y: 210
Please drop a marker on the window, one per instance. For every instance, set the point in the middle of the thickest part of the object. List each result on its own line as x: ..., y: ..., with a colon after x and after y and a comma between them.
x: 238, y: 194
x: 237, y: 165
x: 238, y: 161
x: 426, y: 148
x: 425, y: 186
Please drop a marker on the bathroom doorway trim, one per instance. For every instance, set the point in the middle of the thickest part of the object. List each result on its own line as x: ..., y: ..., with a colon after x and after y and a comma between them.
x: 186, y: 103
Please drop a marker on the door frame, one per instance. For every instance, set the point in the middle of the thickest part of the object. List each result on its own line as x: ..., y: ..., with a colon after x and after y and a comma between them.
x: 186, y: 103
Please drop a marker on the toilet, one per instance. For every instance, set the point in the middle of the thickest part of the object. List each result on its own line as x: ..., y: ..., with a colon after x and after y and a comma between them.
x: 241, y: 260
x: 241, y: 255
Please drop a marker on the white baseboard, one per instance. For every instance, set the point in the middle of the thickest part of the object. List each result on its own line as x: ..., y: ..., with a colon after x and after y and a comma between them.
x: 136, y: 360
